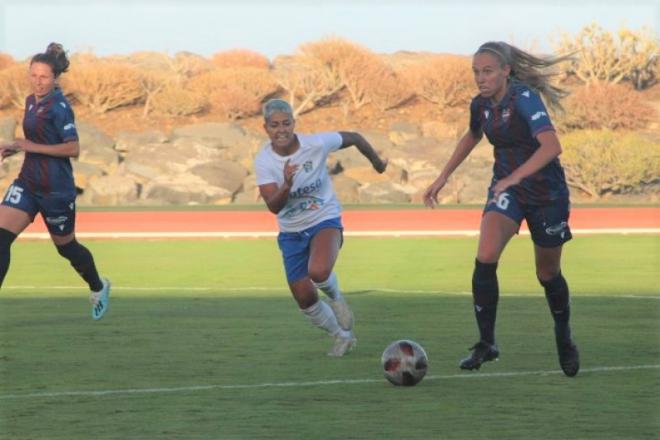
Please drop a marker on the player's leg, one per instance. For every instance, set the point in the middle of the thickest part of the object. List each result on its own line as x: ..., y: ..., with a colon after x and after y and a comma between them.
x: 549, y: 229
x: 12, y: 223
x: 60, y: 217
x: 500, y: 222
x: 17, y: 211
x: 295, y: 253
x: 324, y: 249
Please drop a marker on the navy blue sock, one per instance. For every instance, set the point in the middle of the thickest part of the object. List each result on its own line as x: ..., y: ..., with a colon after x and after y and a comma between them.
x: 557, y: 296
x: 485, y: 295
x: 6, y: 239
x: 82, y: 261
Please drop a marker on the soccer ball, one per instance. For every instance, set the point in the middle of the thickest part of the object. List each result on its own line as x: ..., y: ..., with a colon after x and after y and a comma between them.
x: 404, y: 362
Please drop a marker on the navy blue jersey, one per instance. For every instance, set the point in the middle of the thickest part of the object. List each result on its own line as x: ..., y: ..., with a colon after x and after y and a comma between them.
x: 49, y: 122
x: 512, y: 126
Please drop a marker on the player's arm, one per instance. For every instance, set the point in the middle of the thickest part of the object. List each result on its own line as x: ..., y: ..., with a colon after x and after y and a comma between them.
x: 349, y: 139
x: 276, y: 195
x: 65, y: 149
x: 463, y: 149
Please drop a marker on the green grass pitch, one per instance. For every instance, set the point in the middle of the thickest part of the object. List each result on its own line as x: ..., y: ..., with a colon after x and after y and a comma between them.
x: 202, y: 341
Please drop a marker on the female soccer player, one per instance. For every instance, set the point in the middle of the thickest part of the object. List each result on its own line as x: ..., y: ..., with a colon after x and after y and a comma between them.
x: 293, y: 181
x: 528, y: 183
x: 45, y: 183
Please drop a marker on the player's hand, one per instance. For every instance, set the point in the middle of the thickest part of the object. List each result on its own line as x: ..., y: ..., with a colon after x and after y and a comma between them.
x: 380, y: 165
x: 502, y: 185
x: 431, y: 194
x: 289, y: 172
x: 7, y: 150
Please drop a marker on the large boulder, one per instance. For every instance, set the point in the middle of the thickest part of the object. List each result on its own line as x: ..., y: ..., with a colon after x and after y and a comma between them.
x: 184, y: 189
x: 385, y: 192
x: 127, y: 141
x: 112, y: 190
x: 90, y: 136
x: 83, y: 173
x: 222, y: 173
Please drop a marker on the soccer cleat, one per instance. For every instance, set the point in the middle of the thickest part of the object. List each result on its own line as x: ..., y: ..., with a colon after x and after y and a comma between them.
x: 481, y: 352
x: 343, y: 345
x: 343, y: 313
x: 100, y: 300
x: 569, y: 358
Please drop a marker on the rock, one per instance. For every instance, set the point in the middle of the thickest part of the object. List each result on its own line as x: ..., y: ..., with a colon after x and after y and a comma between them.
x: 91, y: 137
x: 126, y: 141
x: 185, y: 189
x: 84, y: 172
x: 346, y: 188
x: 385, y: 192
x: 112, y: 190
x: 223, y: 174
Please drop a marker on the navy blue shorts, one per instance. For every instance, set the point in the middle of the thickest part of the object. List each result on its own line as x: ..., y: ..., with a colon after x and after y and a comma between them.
x: 295, y: 248
x: 548, y: 224
x: 58, y: 210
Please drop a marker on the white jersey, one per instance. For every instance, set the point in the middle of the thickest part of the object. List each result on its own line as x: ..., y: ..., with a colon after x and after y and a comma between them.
x: 312, y: 198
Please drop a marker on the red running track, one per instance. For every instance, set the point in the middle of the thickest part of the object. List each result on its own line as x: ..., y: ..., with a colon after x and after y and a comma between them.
x: 354, y: 220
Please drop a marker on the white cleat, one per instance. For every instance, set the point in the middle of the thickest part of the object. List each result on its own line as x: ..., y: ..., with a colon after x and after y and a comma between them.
x: 343, y: 313
x: 343, y: 344
x: 100, y: 300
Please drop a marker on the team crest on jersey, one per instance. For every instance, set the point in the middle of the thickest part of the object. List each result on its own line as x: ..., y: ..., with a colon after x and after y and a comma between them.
x: 486, y: 114
x: 40, y: 109
x: 308, y: 166
x: 505, y: 114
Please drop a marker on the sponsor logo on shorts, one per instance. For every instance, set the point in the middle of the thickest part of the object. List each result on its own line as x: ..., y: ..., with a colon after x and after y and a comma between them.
x: 57, y: 220
x: 558, y: 229
x: 69, y: 126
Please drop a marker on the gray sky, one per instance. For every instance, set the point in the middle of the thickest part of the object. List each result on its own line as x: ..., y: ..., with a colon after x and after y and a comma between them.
x: 278, y: 27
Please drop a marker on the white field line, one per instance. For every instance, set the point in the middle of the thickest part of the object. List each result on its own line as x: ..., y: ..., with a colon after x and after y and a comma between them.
x: 271, y: 234
x: 284, y: 289
x: 192, y: 388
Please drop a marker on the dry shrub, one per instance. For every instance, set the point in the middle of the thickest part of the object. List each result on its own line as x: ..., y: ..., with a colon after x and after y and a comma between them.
x: 307, y: 81
x: 613, y: 57
x: 598, y: 162
x: 6, y: 60
x: 235, y: 92
x: 605, y: 105
x: 102, y: 86
x: 188, y: 65
x: 366, y: 78
x: 174, y: 101
x: 445, y: 81
x: 14, y: 86
x: 240, y: 58
x: 153, y: 82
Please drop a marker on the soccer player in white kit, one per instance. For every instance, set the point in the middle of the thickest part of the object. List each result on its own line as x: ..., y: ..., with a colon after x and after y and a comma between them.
x: 293, y: 180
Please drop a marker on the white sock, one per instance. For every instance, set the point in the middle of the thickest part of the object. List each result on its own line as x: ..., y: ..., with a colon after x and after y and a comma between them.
x: 330, y: 287
x: 323, y: 317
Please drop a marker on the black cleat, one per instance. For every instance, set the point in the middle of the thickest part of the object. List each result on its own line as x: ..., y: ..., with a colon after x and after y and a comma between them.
x: 481, y: 352
x: 569, y: 358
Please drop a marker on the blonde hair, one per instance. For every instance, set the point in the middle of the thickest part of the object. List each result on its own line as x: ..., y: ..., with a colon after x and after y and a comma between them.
x: 529, y: 69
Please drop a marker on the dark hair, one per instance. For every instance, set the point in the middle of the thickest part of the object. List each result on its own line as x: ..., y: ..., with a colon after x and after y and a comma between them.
x: 529, y: 69
x: 55, y: 57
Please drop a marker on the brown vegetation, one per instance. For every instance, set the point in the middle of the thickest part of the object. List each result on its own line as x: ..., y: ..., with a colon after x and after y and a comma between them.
x: 605, y: 105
